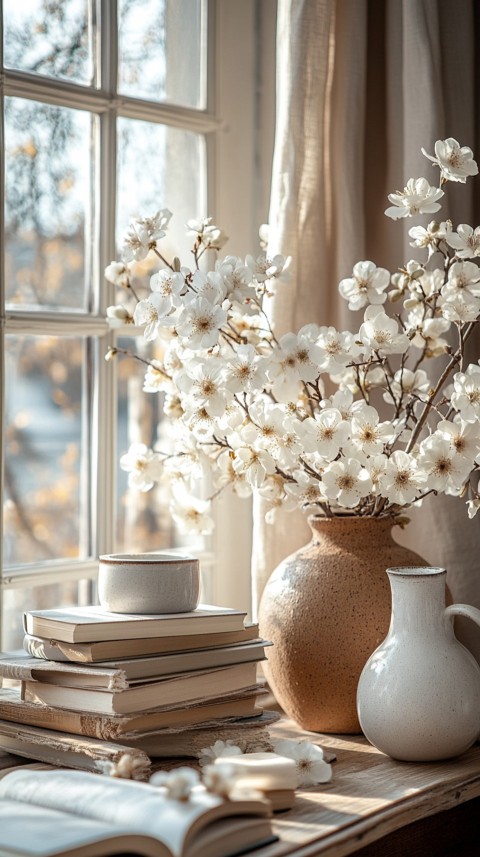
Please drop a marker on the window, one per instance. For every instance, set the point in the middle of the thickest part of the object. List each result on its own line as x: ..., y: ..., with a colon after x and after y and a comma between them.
x: 110, y: 109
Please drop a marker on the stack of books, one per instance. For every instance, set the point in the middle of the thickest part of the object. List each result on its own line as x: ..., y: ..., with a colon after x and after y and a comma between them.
x: 93, y: 684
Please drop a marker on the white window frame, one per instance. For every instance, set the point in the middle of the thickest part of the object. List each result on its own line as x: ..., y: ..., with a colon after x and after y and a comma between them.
x: 238, y: 127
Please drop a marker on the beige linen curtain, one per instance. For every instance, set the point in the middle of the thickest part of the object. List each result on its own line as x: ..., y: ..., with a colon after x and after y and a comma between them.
x: 361, y: 86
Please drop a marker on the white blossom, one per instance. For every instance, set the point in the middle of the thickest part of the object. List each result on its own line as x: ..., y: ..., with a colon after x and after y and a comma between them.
x: 207, y: 233
x: 245, y: 370
x: 325, y: 433
x: 191, y: 514
x: 463, y: 276
x: 220, y: 779
x: 178, y: 783
x: 466, y: 393
x: 463, y: 437
x: 149, y: 314
x: 336, y: 349
x: 265, y: 425
x: 465, y: 241
x: 200, y: 323
x: 127, y: 767
x: 312, y: 768
x: 255, y: 464
x: 217, y: 750
x: 210, y: 286
x: 380, y: 333
x: 118, y: 273
x: 264, y: 235
x: 227, y: 475
x: 366, y: 285
x: 472, y: 507
x: 407, y: 382
x: 442, y: 467
x: 144, y: 467
x: 136, y: 242
x: 428, y: 334
x: 401, y: 481
x: 296, y: 359
x: 342, y: 400
x: 346, y: 482
x: 417, y: 197
x: 306, y: 490
x: 156, y: 378
x: 368, y: 433
x: 456, y: 162
x: 118, y: 315
x: 429, y: 237
x: 459, y: 306
x: 289, y: 443
x: 156, y: 225
x: 266, y: 269
x: 168, y: 285
x: 237, y: 281
x: 405, y: 279
x: 203, y: 383
x: 461, y: 293
x: 376, y: 466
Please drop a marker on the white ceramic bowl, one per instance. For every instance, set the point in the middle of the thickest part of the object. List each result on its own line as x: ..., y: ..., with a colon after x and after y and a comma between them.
x: 148, y: 583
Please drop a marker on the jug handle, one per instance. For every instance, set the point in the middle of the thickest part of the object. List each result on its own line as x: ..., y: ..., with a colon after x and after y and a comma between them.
x: 463, y: 610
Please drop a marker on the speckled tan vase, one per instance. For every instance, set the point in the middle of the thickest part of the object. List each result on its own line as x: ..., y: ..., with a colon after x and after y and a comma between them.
x: 326, y: 608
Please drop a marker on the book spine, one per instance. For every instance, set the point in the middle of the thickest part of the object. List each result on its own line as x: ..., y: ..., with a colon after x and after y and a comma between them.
x: 90, y: 725
x: 18, y: 672
x: 65, y: 750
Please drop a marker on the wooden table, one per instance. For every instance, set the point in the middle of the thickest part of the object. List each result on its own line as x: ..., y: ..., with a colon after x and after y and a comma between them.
x: 375, y: 807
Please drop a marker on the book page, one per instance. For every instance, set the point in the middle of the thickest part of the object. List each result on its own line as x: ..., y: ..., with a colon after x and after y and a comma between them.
x: 33, y: 831
x: 124, y: 804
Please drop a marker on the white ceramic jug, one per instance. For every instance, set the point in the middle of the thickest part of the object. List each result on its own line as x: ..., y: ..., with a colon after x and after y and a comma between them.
x: 418, y: 697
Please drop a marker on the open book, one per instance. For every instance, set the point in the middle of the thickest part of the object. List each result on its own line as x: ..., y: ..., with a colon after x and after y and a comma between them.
x: 47, y: 813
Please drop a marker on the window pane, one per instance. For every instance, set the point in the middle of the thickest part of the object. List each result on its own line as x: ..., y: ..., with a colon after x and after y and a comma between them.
x: 48, y: 205
x: 16, y: 601
x: 45, y: 510
x: 49, y: 38
x: 144, y: 522
x: 160, y: 167
x: 162, y: 50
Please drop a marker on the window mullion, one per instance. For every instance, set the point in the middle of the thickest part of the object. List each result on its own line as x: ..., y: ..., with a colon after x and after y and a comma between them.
x: 104, y: 380
x: 2, y: 325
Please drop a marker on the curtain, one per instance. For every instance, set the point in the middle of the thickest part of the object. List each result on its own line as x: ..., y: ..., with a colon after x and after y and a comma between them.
x: 362, y: 85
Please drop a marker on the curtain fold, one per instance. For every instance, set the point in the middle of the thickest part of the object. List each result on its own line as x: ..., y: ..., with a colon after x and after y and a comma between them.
x: 362, y: 86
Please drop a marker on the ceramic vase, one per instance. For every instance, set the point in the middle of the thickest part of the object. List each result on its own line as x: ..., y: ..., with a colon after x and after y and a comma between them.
x: 419, y: 693
x: 326, y: 608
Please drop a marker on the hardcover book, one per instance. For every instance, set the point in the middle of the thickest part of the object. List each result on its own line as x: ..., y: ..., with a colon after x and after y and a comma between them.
x: 57, y: 650
x: 188, y: 687
x: 120, y: 674
x: 47, y: 813
x: 93, y: 624
x: 70, y: 751
x: 113, y: 727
